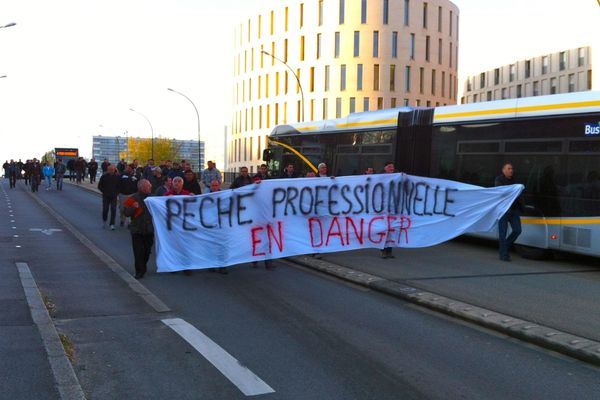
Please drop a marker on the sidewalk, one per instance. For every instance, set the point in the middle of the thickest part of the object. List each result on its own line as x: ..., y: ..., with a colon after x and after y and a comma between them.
x: 549, y: 303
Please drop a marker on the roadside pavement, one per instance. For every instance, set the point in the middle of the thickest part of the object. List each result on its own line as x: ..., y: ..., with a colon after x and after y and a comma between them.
x: 549, y: 303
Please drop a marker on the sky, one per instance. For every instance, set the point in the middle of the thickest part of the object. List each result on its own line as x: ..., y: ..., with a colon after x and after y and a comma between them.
x: 75, y: 67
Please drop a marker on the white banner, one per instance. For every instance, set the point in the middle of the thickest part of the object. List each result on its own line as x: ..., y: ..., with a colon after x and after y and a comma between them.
x: 286, y: 217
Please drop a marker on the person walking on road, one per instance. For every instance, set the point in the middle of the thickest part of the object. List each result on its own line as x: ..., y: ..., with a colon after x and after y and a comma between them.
x: 12, y: 173
x: 512, y: 216
x: 92, y: 170
x: 388, y: 168
x: 59, y: 171
x: 141, y: 228
x: 48, y: 172
x: 127, y: 186
x: 35, y: 176
x: 109, y: 187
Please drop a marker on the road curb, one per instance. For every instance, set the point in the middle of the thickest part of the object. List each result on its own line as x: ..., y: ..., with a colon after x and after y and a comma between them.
x: 562, y: 342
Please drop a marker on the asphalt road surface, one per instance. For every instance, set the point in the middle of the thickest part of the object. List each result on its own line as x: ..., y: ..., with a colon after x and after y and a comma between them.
x: 295, y: 334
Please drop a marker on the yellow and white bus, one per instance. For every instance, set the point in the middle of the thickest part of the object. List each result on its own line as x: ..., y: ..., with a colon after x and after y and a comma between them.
x: 552, y: 141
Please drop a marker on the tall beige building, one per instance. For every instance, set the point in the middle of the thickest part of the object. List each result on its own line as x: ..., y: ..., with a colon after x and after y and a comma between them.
x: 303, y: 60
x: 561, y: 72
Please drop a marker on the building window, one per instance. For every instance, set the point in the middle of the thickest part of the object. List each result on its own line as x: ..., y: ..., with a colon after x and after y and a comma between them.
x: 258, y: 152
x: 285, y: 50
x: 359, y: 77
x: 341, y: 16
x: 320, y: 12
x: 363, y: 11
x: 301, y: 15
x: 287, y: 14
x: 375, y: 43
x: 489, y: 95
x: 285, y: 83
x: 301, y: 48
x: 393, y: 102
x: 450, y: 50
x: 450, y: 24
x: 245, y: 149
x: 272, y: 30
x: 406, y: 12
x: 312, y: 79
x: 433, y: 81
x: 571, y: 83
x: 519, y: 91
x: 386, y: 11
x: 439, y: 19
x: 589, y: 79
x: 336, y: 53
x: 407, y: 79
x: 392, y: 78
x: 326, y: 79
x: 325, y: 108
x: 527, y: 68
x: 536, y: 88
x: 475, y: 98
x: 482, y: 80
x: 376, y: 77
x: 338, y: 107
x: 318, y: 46
x: 356, y: 43
x: 444, y: 84
x: 380, y: 103
x: 352, y: 104
x: 552, y: 85
x: 497, y: 76
x: 427, y: 44
x: 440, y: 44
x: 312, y: 109
x: 545, y: 65
x: 421, y: 79
x: 259, y: 26
x: 503, y: 93
x: 272, y: 53
x: 512, y: 72
x: 343, y: 77
x: 411, y: 47
x: 394, y: 44
x: 267, y: 86
x: 259, y: 86
x: 425, y: 7
x: 580, y: 56
x: 298, y: 80
x: 250, y: 150
x: 366, y: 104
x: 562, y: 60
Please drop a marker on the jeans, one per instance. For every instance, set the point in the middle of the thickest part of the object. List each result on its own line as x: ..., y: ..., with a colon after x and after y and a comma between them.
x: 106, y: 202
x: 48, y: 182
x: 512, y: 217
x: 59, y: 182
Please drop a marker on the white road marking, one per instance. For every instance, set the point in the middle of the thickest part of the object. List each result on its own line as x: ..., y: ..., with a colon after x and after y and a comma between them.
x: 48, y: 231
x: 240, y: 376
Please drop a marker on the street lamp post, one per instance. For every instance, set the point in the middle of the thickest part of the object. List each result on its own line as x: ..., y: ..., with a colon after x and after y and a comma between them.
x: 198, y: 118
x: 295, y: 75
x: 151, y: 129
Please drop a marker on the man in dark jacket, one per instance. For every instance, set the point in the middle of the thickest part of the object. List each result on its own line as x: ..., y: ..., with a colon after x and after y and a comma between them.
x: 512, y: 216
x: 141, y: 228
x: 92, y: 169
x: 242, y: 180
x: 109, y: 187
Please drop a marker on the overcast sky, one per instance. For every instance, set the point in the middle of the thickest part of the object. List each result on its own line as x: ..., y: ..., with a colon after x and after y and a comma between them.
x: 75, y: 67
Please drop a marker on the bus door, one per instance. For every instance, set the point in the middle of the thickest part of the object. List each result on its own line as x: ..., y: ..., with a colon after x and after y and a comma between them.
x: 413, y: 152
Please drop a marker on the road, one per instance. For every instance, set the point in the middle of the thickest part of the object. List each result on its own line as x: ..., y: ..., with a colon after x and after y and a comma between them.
x: 303, y: 334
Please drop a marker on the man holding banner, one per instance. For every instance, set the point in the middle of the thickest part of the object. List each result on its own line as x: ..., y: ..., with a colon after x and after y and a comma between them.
x: 141, y: 228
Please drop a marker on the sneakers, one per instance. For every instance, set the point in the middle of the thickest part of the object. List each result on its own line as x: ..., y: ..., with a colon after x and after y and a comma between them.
x: 112, y: 227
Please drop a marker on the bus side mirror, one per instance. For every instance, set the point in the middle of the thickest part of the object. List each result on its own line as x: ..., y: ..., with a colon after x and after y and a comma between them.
x: 267, y: 155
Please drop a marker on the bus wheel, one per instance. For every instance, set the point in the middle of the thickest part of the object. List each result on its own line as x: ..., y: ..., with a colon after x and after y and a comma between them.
x: 533, y: 253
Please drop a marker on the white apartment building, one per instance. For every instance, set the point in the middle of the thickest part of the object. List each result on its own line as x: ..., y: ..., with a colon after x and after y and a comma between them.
x: 561, y: 72
x: 305, y: 60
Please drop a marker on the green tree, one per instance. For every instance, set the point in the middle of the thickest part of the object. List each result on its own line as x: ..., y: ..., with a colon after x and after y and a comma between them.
x: 141, y: 149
